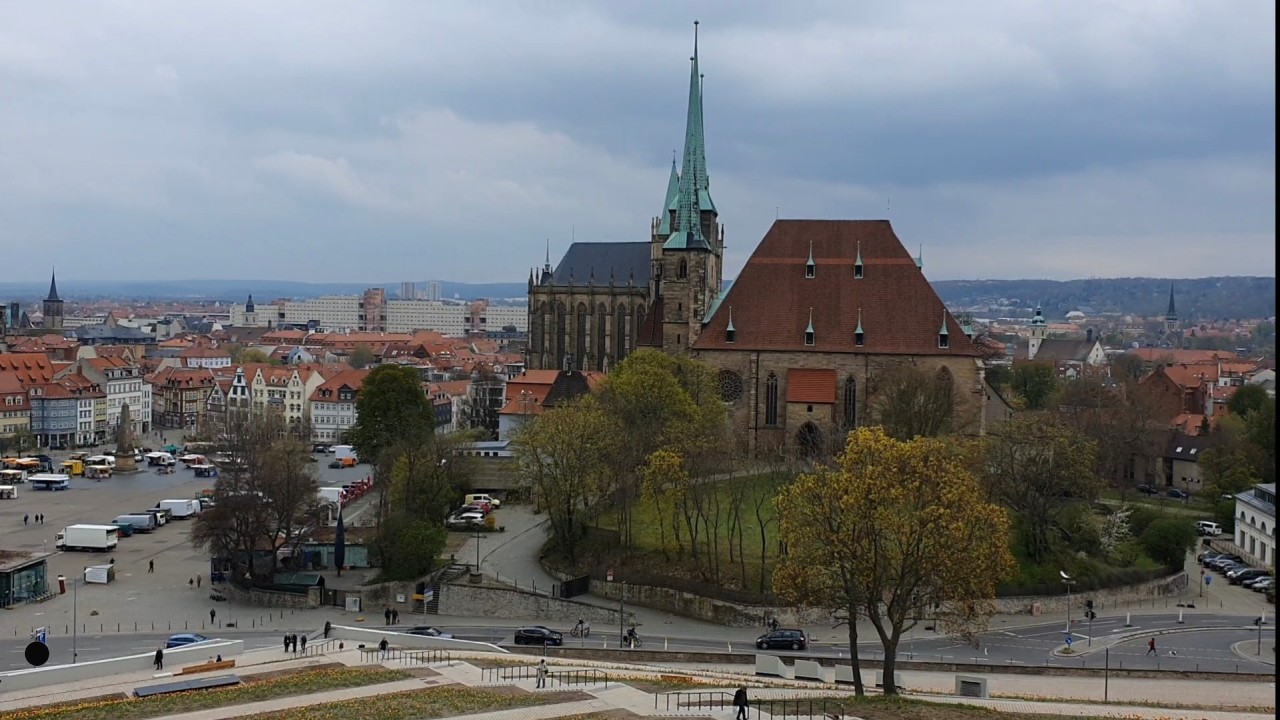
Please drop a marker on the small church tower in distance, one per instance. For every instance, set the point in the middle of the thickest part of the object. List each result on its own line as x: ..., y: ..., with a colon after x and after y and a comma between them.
x: 51, y: 308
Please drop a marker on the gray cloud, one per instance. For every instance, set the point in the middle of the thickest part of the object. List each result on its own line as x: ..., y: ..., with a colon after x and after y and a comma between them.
x: 396, y: 140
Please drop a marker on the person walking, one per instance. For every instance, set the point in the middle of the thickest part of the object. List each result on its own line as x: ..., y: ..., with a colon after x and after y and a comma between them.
x: 740, y: 702
x: 160, y: 658
x: 327, y: 627
x: 542, y: 674
x: 395, y: 616
x: 213, y: 614
x: 773, y: 624
x: 382, y: 647
x: 151, y: 566
x: 386, y: 615
x: 1151, y: 647
x: 191, y: 583
x: 286, y: 642
x: 303, y: 640
x: 198, y: 580
x: 25, y: 518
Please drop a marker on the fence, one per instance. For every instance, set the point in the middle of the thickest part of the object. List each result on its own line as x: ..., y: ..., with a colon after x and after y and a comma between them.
x: 583, y: 676
x: 270, y: 619
x: 418, y: 656
x: 320, y: 647
x: 773, y: 707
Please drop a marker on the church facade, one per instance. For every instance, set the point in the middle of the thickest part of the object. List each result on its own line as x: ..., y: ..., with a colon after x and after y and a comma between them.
x: 820, y: 311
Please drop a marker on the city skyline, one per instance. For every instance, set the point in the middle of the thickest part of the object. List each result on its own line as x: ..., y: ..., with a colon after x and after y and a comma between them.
x: 1007, y: 140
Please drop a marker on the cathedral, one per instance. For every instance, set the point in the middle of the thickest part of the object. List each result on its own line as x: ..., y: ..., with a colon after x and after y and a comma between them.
x: 820, y: 311
x: 605, y: 299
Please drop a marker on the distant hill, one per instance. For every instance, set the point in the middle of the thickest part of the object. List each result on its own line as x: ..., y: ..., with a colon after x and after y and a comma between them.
x: 1200, y: 298
x: 238, y: 290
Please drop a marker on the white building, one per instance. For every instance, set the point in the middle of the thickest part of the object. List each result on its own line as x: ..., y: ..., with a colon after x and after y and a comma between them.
x: 123, y: 384
x: 333, y: 406
x: 338, y: 312
x: 409, y: 315
x: 1256, y: 524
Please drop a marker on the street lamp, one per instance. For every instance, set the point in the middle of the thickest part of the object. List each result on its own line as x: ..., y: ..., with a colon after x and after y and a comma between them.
x: 75, y: 596
x: 1066, y: 580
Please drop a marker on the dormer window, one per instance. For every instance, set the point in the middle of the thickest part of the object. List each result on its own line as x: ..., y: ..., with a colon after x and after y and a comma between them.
x: 730, y: 332
x: 859, y: 337
x: 810, y: 267
x: 944, y: 338
x: 809, y: 334
x: 857, y: 263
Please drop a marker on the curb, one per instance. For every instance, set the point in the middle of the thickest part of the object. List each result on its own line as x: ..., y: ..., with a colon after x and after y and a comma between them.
x: 1113, y: 640
x: 1239, y: 649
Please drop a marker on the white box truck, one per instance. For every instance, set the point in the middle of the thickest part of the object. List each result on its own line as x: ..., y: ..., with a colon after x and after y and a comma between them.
x: 331, y: 494
x: 97, y: 538
x: 142, y: 523
x: 344, y: 451
x: 180, y: 509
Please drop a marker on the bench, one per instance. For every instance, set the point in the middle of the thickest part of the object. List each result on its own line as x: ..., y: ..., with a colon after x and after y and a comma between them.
x: 206, y: 667
x: 185, y: 685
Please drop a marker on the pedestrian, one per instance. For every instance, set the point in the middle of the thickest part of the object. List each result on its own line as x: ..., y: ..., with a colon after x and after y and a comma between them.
x: 382, y: 646
x: 1151, y: 647
x: 773, y: 624
x: 212, y: 615
x: 395, y: 616
x: 542, y: 674
x: 25, y: 518
x: 386, y: 615
x: 740, y: 702
x: 151, y: 566
x: 286, y: 642
x: 41, y: 518
x: 160, y: 658
x: 219, y: 659
x: 198, y: 580
x: 327, y: 627
x: 191, y: 582
x: 304, y: 643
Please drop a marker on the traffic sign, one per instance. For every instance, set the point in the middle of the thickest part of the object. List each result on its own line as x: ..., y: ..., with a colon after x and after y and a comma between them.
x: 1208, y: 579
x: 1069, y: 641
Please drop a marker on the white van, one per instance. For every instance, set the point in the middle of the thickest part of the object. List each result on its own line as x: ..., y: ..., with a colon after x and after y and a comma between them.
x: 491, y: 501
x: 1208, y: 529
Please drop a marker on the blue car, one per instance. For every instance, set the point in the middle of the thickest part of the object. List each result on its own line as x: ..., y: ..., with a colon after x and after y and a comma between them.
x: 184, y: 639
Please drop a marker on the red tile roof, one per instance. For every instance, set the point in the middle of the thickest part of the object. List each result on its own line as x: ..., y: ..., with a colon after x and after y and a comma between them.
x: 30, y: 368
x: 328, y: 390
x: 811, y: 386
x: 772, y: 301
x: 1182, y: 356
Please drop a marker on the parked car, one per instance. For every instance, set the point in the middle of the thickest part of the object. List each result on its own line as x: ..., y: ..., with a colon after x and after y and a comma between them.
x: 184, y: 639
x: 336, y: 464
x: 1263, y: 584
x: 783, y: 640
x: 1206, y: 528
x: 1236, y: 577
x: 1223, y: 560
x: 428, y: 631
x: 1148, y: 490
x: 538, y: 635
x: 1204, y: 557
x: 481, y: 508
x: 1230, y: 567
x: 464, y: 521
x: 319, y: 448
x: 1177, y: 494
x: 1250, y: 582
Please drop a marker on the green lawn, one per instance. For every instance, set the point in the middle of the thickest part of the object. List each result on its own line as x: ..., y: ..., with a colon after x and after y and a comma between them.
x: 438, y: 702
x: 300, y: 683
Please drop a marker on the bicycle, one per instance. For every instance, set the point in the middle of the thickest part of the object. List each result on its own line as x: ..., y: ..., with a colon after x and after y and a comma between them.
x: 580, y: 631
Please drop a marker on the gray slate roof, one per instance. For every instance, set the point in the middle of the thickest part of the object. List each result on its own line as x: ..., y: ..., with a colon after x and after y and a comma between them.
x: 626, y: 260
x: 1065, y: 349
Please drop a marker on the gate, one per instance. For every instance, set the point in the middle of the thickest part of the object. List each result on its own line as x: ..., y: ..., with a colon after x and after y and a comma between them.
x: 338, y: 598
x: 575, y: 586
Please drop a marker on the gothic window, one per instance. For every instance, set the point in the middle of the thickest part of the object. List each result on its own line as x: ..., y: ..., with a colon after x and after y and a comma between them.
x: 602, y: 314
x: 560, y: 329
x: 730, y: 384
x: 535, y: 331
x: 638, y: 317
x: 619, y: 333
x: 849, y: 419
x: 682, y: 271
x: 771, y: 400
x: 580, y: 338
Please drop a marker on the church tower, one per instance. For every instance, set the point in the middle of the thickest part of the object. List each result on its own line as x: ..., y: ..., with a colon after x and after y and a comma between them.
x: 250, y: 312
x: 1039, y: 331
x: 687, y: 246
x: 1171, y: 322
x: 52, y: 306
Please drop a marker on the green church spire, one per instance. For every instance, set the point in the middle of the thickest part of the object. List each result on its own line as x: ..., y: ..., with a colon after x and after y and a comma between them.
x: 672, y: 203
x: 694, y: 196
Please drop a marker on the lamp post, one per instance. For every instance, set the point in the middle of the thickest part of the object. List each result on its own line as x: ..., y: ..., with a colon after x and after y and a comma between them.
x: 75, y: 628
x: 1066, y: 580
x: 622, y: 599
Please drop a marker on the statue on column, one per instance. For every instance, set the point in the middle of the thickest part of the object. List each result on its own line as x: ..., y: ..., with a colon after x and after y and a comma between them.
x: 125, y: 442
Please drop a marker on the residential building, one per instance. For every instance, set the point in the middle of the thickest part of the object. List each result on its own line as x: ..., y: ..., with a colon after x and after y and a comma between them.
x: 123, y: 383
x: 55, y: 414
x: 15, y: 409
x: 1256, y: 524
x: 1180, y: 465
x: 179, y: 396
x: 91, y: 408
x: 284, y: 389
x: 333, y: 405
x: 523, y: 400
x: 408, y: 290
x: 205, y: 357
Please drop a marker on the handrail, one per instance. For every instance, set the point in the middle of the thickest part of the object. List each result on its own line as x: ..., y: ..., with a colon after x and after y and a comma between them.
x: 427, y: 655
x: 518, y: 672
x: 783, y: 708
x: 580, y: 676
x: 317, y: 647
x: 711, y: 699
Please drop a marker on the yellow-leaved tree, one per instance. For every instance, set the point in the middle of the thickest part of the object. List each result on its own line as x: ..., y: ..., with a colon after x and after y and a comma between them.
x: 895, y: 532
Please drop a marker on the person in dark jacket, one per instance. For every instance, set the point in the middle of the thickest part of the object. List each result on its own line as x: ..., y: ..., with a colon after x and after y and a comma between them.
x: 740, y: 702
x: 159, y: 658
x: 304, y: 643
x: 327, y: 627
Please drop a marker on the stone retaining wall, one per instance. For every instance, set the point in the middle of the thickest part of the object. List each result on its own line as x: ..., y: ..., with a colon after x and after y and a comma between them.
x: 1102, y: 599
x: 487, y: 601
x: 271, y: 598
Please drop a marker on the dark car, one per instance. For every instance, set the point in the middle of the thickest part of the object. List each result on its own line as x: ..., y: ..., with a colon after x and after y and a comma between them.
x: 1148, y: 490
x: 183, y: 639
x: 1176, y: 493
x: 1236, y: 577
x: 320, y: 449
x: 428, y: 631
x: 336, y: 464
x: 538, y: 635
x: 783, y: 640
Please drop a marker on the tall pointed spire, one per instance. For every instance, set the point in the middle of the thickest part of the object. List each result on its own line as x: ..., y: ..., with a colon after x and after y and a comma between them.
x: 694, y: 197
x: 1172, y: 314
x: 671, y: 204
x: 53, y: 289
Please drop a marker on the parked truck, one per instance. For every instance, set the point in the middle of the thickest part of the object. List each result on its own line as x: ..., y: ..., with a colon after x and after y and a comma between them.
x: 95, y: 538
x: 180, y: 509
x: 342, y: 452
x: 141, y: 523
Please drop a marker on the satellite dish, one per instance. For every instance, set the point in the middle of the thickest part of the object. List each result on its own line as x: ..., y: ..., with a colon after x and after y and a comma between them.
x: 1064, y: 575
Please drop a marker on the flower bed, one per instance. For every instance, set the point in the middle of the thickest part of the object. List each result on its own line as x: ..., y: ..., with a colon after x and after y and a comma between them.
x: 299, y: 683
x: 437, y: 702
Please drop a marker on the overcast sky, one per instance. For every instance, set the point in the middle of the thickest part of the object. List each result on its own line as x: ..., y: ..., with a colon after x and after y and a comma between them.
x: 385, y: 141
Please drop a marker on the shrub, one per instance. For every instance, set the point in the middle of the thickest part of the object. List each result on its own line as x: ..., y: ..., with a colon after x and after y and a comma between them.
x: 1167, y: 540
